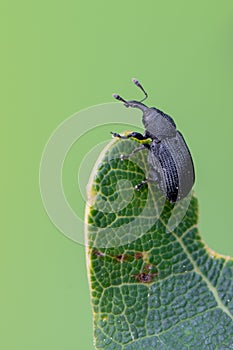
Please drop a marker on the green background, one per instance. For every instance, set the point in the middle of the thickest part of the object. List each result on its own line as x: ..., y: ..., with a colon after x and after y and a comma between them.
x: 60, y: 57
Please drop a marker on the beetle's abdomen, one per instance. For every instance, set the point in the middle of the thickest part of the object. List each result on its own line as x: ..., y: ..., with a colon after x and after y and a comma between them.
x: 170, y: 173
x: 172, y: 161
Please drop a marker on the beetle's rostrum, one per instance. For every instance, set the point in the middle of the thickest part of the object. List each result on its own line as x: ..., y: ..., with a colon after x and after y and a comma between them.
x: 171, y: 165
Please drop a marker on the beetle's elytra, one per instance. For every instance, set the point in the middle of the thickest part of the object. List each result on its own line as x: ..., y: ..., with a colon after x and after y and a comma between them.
x: 170, y: 161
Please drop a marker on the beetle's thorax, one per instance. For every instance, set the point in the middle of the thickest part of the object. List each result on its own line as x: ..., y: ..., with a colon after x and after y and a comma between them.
x: 158, y: 125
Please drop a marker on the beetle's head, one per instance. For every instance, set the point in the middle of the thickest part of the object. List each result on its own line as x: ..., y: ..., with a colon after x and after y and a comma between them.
x: 157, y: 124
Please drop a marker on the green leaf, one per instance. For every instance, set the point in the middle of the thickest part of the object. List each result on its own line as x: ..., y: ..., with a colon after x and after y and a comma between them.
x: 154, y: 283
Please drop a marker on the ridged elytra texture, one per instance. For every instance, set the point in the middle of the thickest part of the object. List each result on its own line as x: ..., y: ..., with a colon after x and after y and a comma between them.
x: 162, y: 290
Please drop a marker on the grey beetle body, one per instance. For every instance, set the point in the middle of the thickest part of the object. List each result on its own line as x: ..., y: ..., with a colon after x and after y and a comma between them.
x: 170, y: 161
x: 177, y: 177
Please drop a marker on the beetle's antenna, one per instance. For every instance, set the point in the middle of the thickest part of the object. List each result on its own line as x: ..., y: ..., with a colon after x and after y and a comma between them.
x: 136, y: 82
x: 118, y: 97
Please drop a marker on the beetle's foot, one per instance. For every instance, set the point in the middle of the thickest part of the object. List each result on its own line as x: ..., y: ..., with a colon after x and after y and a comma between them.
x: 123, y: 157
x: 138, y: 186
x: 115, y: 134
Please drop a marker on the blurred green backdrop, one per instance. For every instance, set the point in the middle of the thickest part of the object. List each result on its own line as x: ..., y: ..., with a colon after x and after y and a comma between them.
x: 60, y: 57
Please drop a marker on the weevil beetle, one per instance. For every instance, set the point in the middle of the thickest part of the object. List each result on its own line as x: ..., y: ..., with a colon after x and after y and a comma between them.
x: 170, y: 161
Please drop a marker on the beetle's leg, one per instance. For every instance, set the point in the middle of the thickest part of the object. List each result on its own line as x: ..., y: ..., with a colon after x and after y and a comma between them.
x: 133, y: 134
x: 154, y: 179
x: 143, y: 182
x: 142, y: 147
x: 137, y: 136
x: 148, y: 135
x: 115, y: 134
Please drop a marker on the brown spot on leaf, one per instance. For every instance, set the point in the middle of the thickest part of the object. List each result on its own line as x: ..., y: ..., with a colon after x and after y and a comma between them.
x: 138, y: 255
x: 122, y: 257
x: 97, y: 253
x: 145, y: 277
